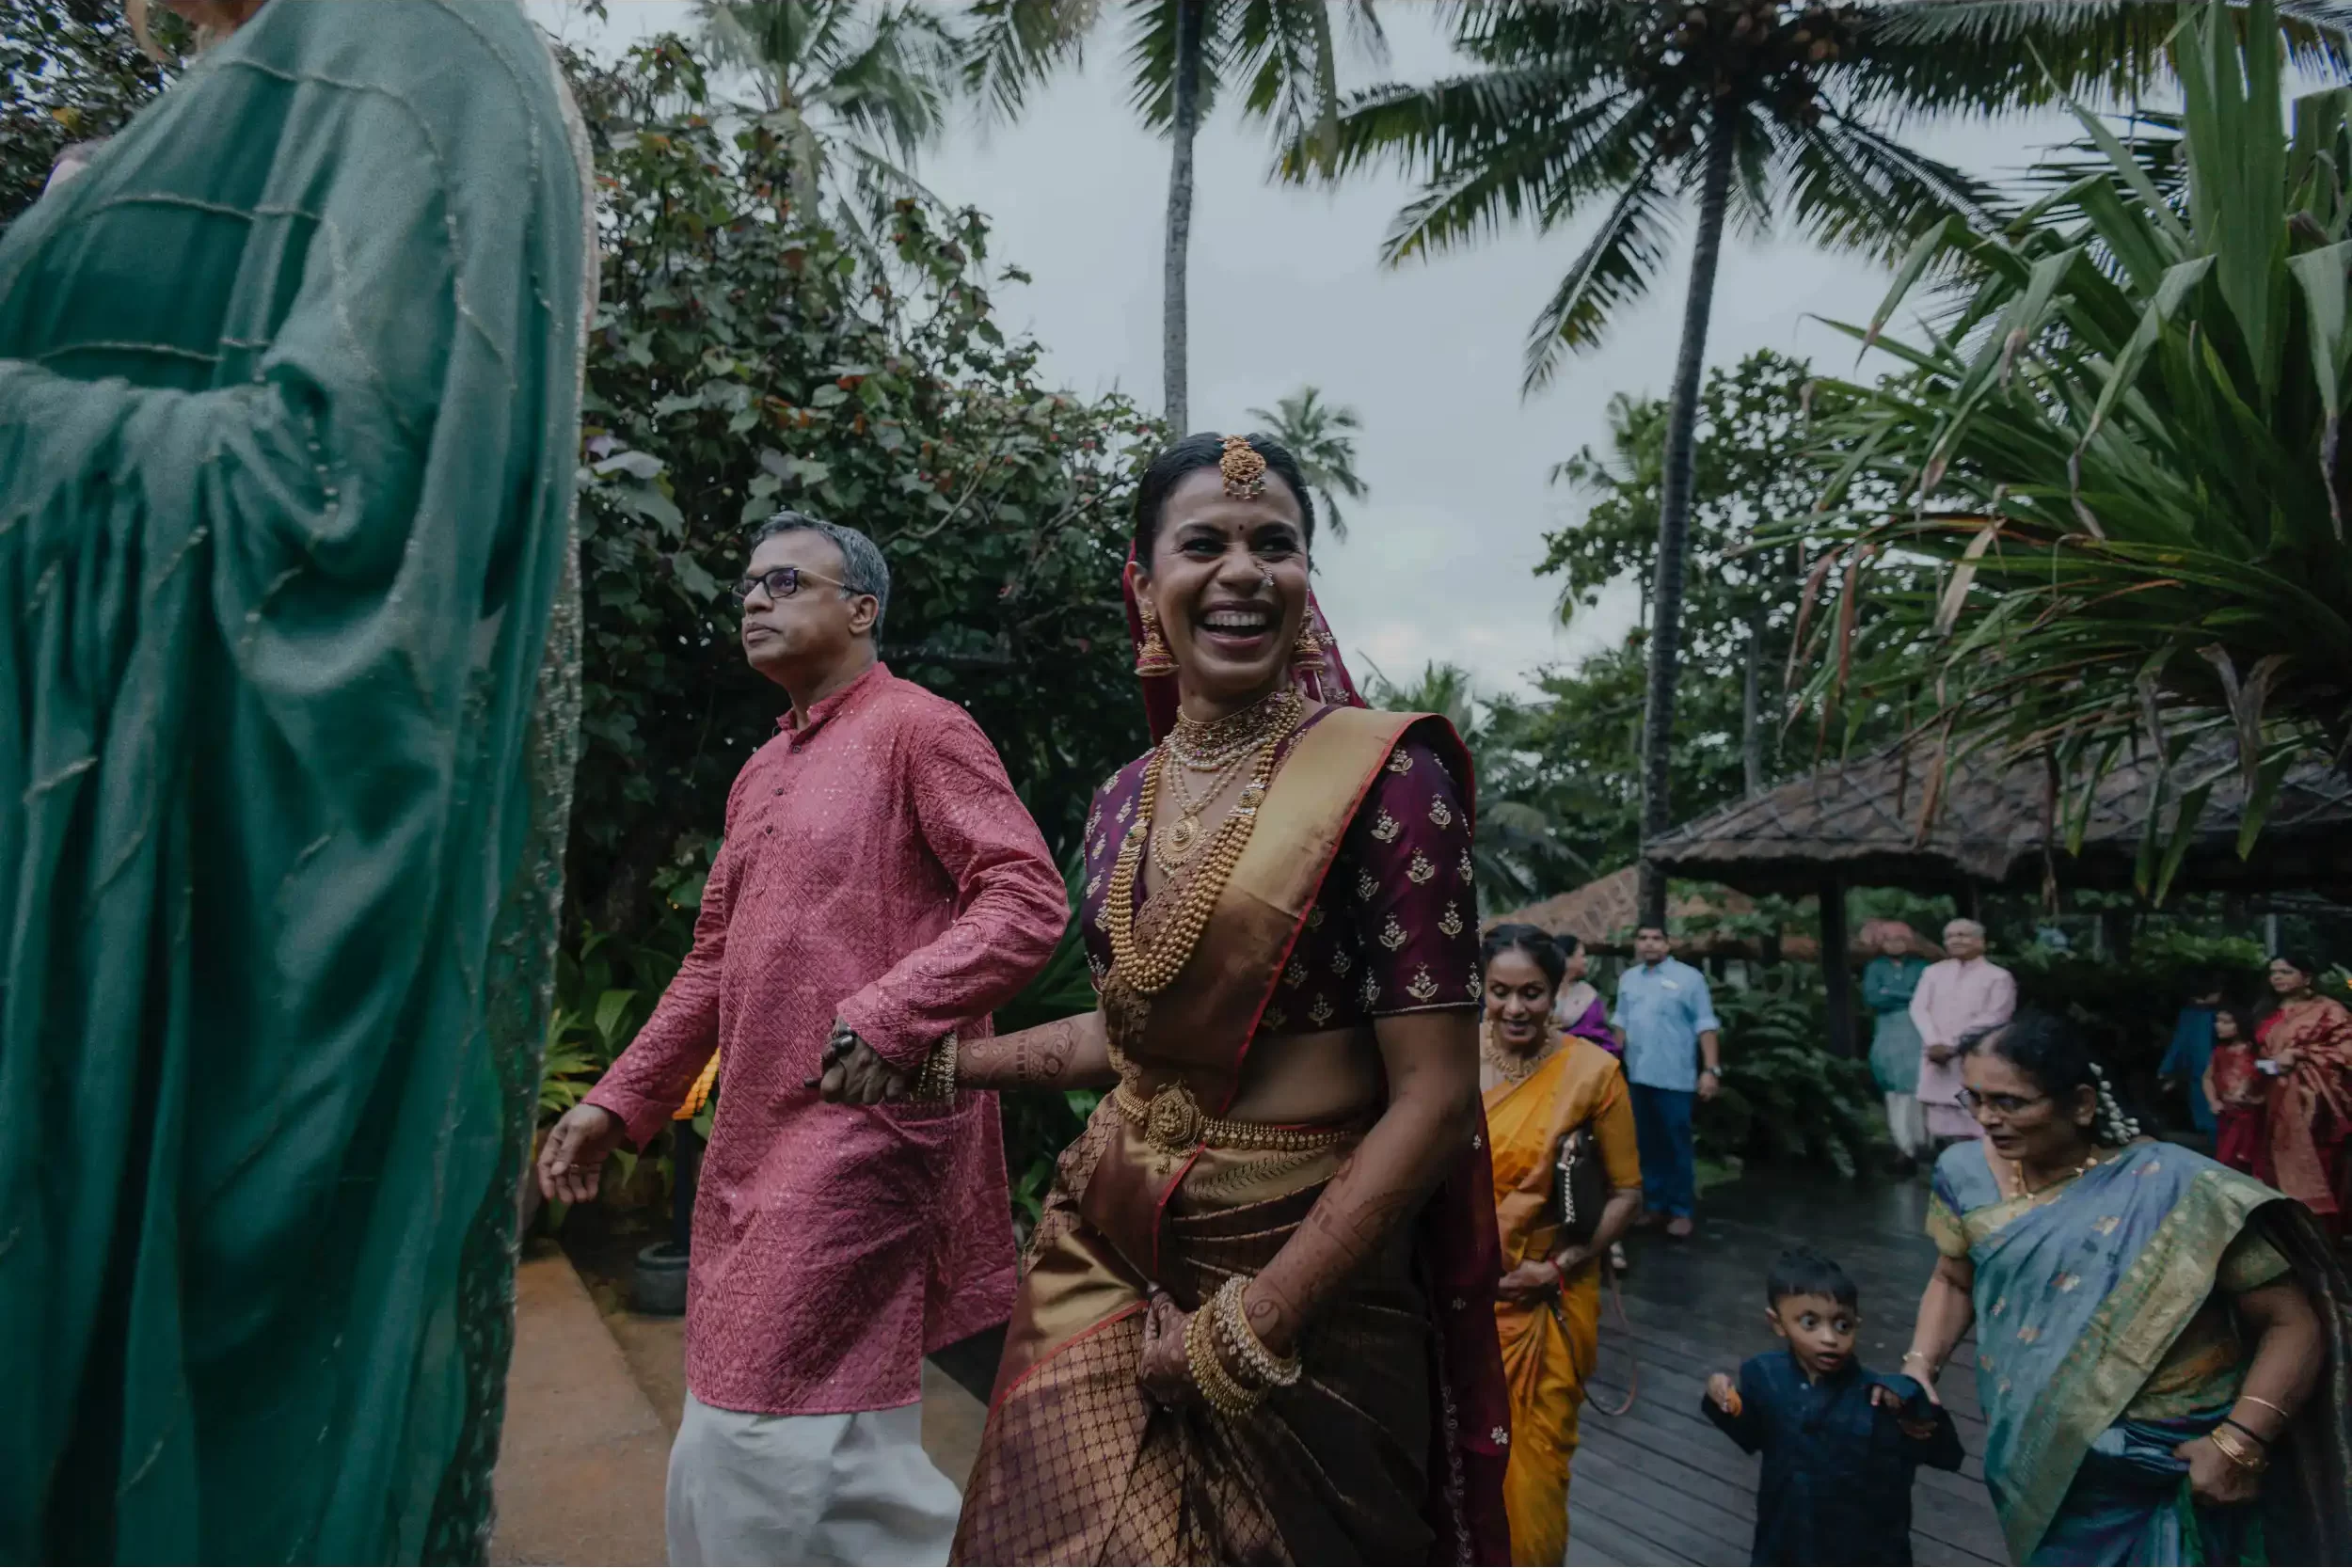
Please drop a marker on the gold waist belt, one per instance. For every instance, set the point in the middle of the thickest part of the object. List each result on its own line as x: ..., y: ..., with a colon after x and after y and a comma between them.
x: 1172, y: 1122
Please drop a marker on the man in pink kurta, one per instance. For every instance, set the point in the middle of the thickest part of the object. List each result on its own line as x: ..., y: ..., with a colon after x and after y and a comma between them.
x: 1963, y: 995
x: 878, y: 876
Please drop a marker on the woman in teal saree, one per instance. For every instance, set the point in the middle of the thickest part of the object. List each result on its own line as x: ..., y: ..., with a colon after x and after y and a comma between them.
x: 2161, y: 1343
x: 289, y: 698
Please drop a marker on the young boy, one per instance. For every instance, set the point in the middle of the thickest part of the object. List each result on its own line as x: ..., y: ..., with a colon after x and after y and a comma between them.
x: 1840, y: 1443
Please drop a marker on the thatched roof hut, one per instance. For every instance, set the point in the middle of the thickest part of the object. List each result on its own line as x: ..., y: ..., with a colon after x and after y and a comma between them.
x: 1601, y: 915
x: 1895, y: 820
x: 1887, y: 821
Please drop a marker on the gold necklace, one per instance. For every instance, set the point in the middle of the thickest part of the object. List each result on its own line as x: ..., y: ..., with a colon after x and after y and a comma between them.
x: 1509, y: 1066
x: 1208, y: 746
x: 1146, y: 974
x: 1173, y: 846
x: 2017, y: 1173
x: 1216, y: 757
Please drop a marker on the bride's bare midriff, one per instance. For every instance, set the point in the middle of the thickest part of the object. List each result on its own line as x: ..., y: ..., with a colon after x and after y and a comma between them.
x: 1331, y: 1076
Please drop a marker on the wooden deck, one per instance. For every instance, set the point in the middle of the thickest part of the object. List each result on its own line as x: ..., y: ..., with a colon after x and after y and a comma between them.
x: 1659, y: 1485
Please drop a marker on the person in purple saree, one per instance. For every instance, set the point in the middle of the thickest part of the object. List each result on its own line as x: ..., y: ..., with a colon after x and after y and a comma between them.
x: 1577, y: 1009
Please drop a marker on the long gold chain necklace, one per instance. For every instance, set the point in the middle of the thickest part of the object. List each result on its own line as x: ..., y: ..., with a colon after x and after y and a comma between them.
x: 1146, y: 974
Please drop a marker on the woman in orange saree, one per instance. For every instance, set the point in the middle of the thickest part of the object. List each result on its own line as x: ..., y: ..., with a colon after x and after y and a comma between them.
x: 1255, y: 1322
x: 2308, y: 1122
x: 1540, y: 1086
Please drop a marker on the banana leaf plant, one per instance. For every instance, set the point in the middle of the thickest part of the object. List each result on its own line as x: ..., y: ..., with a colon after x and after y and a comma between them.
x: 2120, y: 443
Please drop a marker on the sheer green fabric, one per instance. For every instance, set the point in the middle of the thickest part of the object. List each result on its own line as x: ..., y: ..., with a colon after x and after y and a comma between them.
x: 289, y: 385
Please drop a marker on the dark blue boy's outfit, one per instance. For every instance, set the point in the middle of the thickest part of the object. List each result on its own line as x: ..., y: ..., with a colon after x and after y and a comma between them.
x: 1837, y: 1483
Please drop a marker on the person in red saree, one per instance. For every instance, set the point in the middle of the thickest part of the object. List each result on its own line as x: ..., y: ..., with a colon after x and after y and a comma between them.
x: 2306, y: 1042
x: 1256, y: 1320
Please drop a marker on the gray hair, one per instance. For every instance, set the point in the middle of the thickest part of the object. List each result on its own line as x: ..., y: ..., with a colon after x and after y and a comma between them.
x: 863, y: 568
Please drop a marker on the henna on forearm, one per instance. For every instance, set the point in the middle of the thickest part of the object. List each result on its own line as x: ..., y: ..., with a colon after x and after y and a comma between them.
x: 1068, y: 1054
x: 1432, y: 1062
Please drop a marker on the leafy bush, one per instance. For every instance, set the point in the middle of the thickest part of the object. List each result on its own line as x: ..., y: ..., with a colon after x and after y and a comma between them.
x: 1785, y: 1098
x: 2127, y: 1007
x: 748, y: 356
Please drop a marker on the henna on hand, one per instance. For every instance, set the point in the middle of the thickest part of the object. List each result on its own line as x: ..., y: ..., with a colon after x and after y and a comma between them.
x: 1070, y: 1053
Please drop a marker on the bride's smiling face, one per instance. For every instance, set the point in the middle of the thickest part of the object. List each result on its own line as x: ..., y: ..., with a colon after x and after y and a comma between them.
x: 1228, y: 580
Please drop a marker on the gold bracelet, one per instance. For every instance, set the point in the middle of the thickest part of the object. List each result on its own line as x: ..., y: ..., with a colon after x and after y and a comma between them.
x: 2279, y: 1411
x: 2233, y: 1450
x: 935, y: 1081
x: 1278, y: 1371
x: 1219, y: 1388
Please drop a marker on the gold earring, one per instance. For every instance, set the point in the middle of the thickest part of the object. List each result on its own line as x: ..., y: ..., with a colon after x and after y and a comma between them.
x: 1307, y: 653
x: 1152, y: 658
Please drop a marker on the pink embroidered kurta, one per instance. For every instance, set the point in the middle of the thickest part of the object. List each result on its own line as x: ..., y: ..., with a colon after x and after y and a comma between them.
x: 878, y: 867
x: 1954, y: 998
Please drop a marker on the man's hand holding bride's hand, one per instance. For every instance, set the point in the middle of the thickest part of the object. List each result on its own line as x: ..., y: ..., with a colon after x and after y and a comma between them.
x: 852, y: 1072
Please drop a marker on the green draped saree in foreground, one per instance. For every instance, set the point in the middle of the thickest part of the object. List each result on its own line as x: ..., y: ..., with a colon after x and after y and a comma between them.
x: 289, y: 386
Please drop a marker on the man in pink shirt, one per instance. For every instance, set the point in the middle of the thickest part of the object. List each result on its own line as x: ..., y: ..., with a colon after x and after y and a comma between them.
x: 1966, y: 993
x: 879, y: 882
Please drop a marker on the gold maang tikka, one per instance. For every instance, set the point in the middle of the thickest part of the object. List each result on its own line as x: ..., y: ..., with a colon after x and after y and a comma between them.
x: 1243, y: 468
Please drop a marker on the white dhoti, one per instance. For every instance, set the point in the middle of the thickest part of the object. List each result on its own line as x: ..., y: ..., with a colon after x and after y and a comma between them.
x: 831, y: 1489
x: 1907, y: 1124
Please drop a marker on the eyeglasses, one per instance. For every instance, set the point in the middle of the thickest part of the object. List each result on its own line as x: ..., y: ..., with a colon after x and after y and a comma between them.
x: 2003, y: 1107
x: 782, y: 582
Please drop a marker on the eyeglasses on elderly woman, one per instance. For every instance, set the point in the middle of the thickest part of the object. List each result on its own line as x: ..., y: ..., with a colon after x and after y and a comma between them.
x: 2000, y: 1106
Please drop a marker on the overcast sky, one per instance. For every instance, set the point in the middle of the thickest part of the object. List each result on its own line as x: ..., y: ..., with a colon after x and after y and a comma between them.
x: 1287, y: 290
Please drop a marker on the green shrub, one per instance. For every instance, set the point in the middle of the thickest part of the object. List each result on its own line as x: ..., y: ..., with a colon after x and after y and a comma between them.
x: 1786, y: 1100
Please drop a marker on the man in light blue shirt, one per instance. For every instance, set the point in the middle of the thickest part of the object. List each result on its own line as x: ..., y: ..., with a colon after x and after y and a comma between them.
x: 1673, y: 1056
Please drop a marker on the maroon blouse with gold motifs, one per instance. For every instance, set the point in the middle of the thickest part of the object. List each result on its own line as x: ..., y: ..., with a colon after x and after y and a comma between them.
x: 1395, y: 926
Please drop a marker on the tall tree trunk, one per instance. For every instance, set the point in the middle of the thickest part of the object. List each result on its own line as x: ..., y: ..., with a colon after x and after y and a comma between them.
x: 1752, y: 705
x: 1173, y: 333
x: 1673, y: 518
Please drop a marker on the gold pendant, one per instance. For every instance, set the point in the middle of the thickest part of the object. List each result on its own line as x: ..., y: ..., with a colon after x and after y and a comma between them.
x: 1178, y: 843
x: 1172, y: 1123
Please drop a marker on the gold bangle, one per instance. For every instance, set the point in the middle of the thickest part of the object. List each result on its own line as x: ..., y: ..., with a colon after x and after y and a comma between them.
x: 1280, y: 1372
x: 935, y: 1081
x: 1219, y: 1388
x: 2233, y: 1450
x: 2279, y: 1411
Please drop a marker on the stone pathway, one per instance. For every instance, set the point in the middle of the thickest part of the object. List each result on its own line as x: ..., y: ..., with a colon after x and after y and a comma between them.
x: 591, y: 1402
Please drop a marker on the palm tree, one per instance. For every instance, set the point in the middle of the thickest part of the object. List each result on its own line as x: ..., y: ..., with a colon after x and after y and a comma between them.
x: 868, y: 83
x: 1322, y: 435
x: 1750, y: 110
x: 1518, y: 845
x: 1282, y: 53
x: 2123, y: 450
